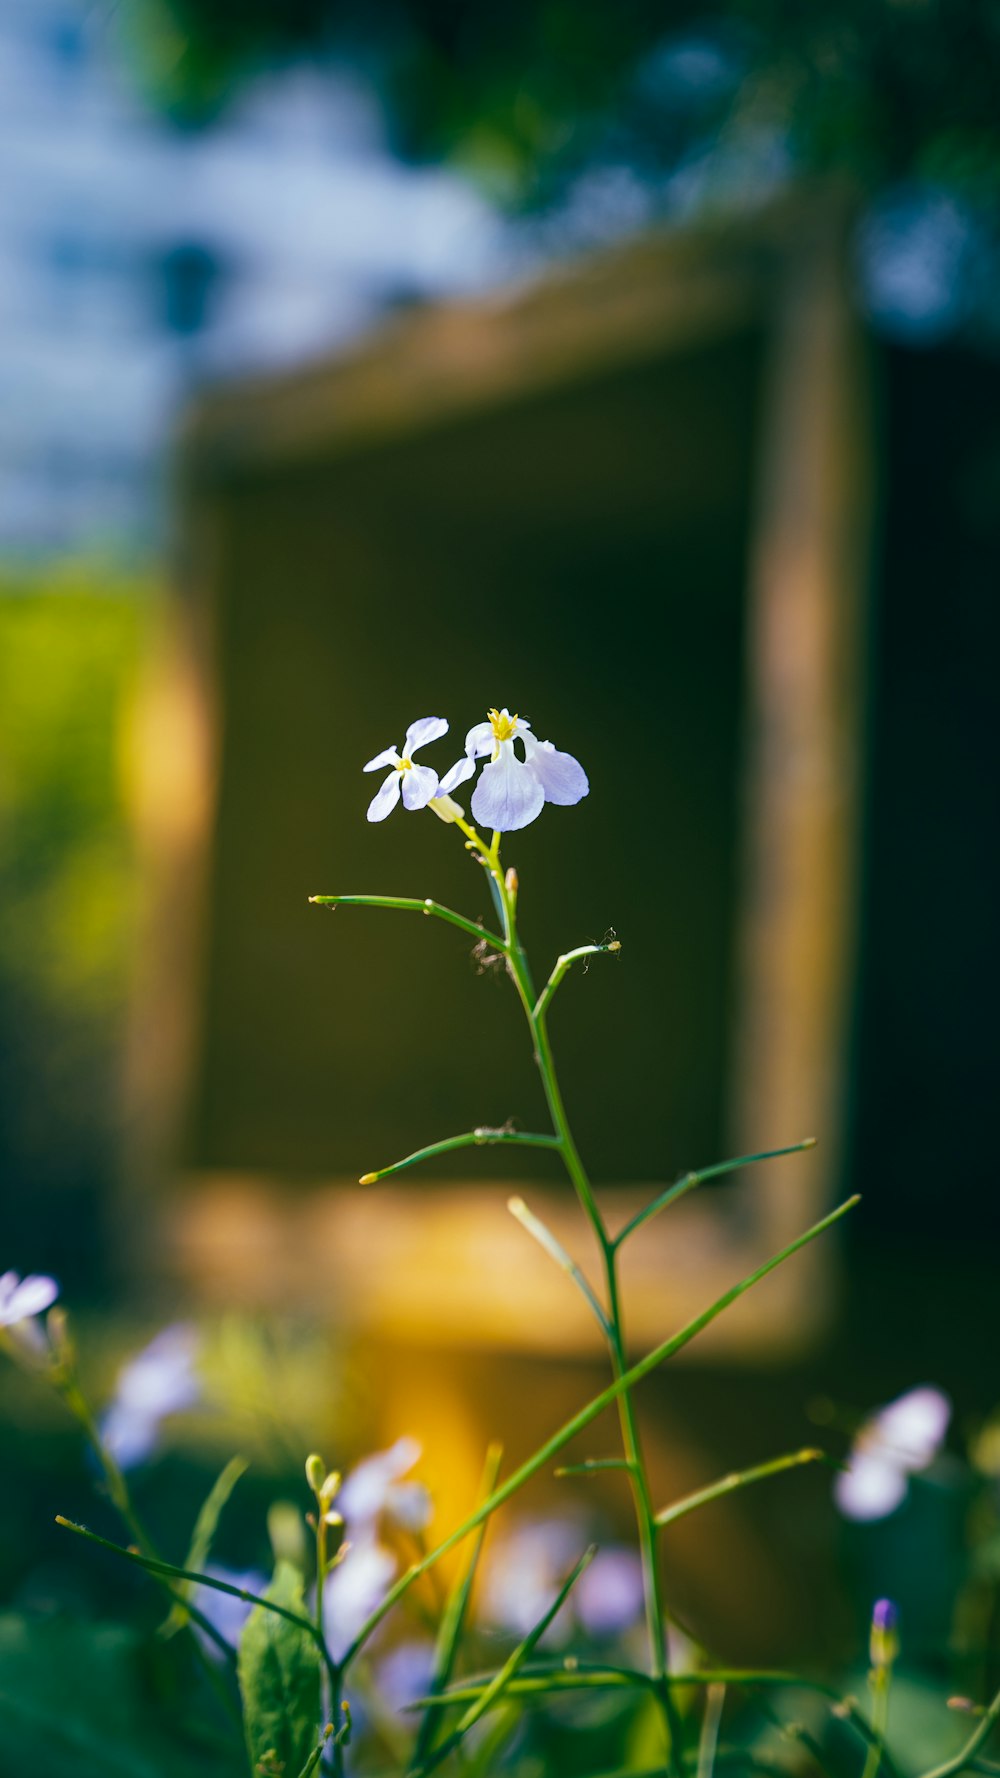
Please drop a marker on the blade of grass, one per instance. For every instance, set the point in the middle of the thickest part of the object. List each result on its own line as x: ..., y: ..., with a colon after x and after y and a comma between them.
x: 205, y: 1527
x: 494, y: 1691
x: 454, y: 1615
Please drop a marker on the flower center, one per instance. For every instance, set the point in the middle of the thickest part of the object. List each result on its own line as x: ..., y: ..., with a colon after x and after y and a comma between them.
x: 503, y: 726
x: 405, y: 765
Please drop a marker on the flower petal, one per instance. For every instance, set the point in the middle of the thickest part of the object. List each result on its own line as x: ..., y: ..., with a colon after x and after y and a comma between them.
x: 423, y: 731
x: 479, y: 740
x: 508, y: 794
x: 562, y: 777
x: 457, y: 774
x: 385, y: 798
x: 387, y: 757
x: 30, y: 1297
x: 912, y: 1428
x: 871, y: 1487
x: 420, y: 783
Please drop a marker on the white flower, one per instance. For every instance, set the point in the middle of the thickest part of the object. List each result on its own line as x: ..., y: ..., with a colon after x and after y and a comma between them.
x: 512, y: 791
x: 894, y: 1444
x: 417, y: 783
x: 353, y: 1590
x: 376, y: 1487
x: 20, y: 1298
x: 527, y: 1569
x: 159, y: 1381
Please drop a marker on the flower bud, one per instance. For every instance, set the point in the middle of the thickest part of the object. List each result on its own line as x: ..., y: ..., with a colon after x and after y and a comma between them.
x: 315, y: 1472
x: 883, y: 1641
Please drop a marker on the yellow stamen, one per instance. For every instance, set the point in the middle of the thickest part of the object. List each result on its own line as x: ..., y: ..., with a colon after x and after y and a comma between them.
x: 405, y: 765
x: 503, y: 726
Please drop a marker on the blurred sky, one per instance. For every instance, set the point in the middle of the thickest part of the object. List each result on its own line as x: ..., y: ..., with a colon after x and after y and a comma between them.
x: 144, y: 251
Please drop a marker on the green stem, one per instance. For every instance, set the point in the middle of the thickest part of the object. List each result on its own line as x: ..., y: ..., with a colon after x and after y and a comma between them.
x: 483, y: 1137
x: 584, y: 1417
x: 690, y: 1180
x: 410, y: 904
x: 730, y: 1483
x: 535, y: 1012
x: 566, y: 962
x: 979, y: 1737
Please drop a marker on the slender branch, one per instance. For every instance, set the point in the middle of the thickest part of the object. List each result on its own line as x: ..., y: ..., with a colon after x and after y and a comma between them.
x: 582, y: 1418
x: 564, y: 963
x: 409, y: 904
x: 740, y: 1479
x: 167, y: 1570
x: 483, y: 1137
x: 690, y: 1180
x: 592, y: 1466
x: 708, y: 1742
x: 554, y: 1248
x: 979, y: 1737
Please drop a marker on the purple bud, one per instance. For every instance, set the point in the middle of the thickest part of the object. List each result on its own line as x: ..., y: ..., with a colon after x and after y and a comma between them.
x: 883, y: 1643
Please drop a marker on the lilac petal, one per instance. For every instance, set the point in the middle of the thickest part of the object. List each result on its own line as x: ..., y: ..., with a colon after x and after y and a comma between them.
x: 913, y: 1427
x: 366, y: 1491
x: 870, y: 1488
x: 609, y: 1594
x: 353, y: 1591
x: 456, y: 774
x: 562, y: 777
x: 422, y: 732
x: 28, y: 1298
x: 508, y: 794
x: 420, y: 783
x: 480, y: 740
x: 387, y: 757
x: 409, y: 1505
x: 385, y: 798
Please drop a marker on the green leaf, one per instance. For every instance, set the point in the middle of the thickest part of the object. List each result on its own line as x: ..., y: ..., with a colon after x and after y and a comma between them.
x: 205, y: 1527
x: 279, y: 1673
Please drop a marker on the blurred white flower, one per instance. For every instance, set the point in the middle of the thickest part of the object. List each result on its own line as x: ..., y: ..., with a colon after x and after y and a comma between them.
x: 376, y: 1487
x: 20, y: 1298
x: 511, y: 791
x: 417, y: 784
x: 405, y: 1673
x: 353, y: 1590
x: 527, y: 1569
x: 160, y: 1381
x: 898, y: 1441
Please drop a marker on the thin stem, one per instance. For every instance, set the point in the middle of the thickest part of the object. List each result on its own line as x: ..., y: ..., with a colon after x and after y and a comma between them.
x: 167, y: 1570
x: 118, y: 1491
x: 483, y: 1137
x: 535, y: 1012
x: 410, y: 904
x: 564, y: 963
x: 715, y: 1698
x: 880, y: 1683
x: 583, y: 1417
x: 741, y: 1479
x: 555, y: 1249
x: 979, y: 1737
x: 690, y: 1180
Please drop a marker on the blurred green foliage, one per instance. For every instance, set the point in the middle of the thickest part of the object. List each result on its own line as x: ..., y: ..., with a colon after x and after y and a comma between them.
x: 68, y: 656
x: 529, y: 91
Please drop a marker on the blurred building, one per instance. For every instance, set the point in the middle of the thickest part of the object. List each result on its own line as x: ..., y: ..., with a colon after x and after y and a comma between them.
x: 138, y: 257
